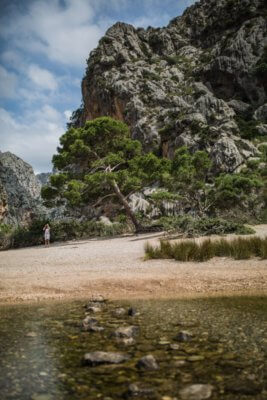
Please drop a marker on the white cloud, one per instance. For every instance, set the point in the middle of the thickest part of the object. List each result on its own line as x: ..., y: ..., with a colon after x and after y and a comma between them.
x: 8, y: 83
x: 64, y: 34
x: 33, y: 137
x: 68, y: 114
x: 42, y: 77
x: 156, y: 20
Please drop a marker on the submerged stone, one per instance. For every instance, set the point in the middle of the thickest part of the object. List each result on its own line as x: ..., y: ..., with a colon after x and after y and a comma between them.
x: 139, y: 389
x: 93, y: 309
x: 245, y: 387
x: 184, y: 336
x: 98, y: 298
x: 174, y: 346
x: 196, y: 358
x: 126, y: 341
x: 101, y: 357
x: 148, y: 363
x: 91, y: 325
x: 119, y: 311
x: 126, y: 332
x: 31, y: 334
x: 196, y: 392
x: 132, y: 312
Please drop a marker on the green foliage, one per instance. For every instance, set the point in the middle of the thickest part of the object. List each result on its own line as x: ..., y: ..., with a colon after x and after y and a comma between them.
x: 5, y: 228
x: 5, y: 236
x: 99, y: 160
x: 239, y: 249
x: 60, y: 231
x: 188, y: 176
x: 151, y: 76
x: 31, y: 236
x: 261, y: 67
x: 247, y: 128
x: 167, y: 130
x: 233, y: 189
x: 202, y: 226
x: 164, y: 195
x: 174, y: 60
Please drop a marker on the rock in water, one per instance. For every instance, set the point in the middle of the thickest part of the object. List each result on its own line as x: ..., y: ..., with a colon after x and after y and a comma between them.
x: 91, y: 325
x: 148, y: 363
x: 119, y: 311
x: 196, y: 392
x: 101, y: 357
x: 184, y: 336
x: 132, y: 312
x: 126, y: 332
x: 139, y: 390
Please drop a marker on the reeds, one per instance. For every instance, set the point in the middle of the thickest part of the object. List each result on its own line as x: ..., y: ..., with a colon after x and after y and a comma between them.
x: 190, y: 250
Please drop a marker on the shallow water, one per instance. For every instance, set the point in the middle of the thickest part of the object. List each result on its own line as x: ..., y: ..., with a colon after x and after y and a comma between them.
x: 42, y: 346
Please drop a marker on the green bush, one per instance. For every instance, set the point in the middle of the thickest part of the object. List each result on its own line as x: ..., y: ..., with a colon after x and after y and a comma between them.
x: 60, y: 231
x: 202, y: 226
x: 5, y: 236
x: 247, y: 128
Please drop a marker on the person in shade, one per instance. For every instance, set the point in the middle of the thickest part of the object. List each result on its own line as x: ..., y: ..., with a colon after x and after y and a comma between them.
x: 46, y: 230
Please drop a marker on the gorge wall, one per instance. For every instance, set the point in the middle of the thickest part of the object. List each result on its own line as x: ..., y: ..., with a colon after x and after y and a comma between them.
x: 20, y: 191
x: 196, y: 82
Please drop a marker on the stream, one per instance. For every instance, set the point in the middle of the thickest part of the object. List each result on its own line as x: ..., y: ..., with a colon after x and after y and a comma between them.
x: 203, y: 348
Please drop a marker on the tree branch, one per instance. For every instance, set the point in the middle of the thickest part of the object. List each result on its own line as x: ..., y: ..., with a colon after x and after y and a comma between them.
x: 103, y: 198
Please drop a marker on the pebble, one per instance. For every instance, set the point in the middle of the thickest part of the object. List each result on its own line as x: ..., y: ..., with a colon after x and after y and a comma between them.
x: 98, y: 298
x: 93, y: 309
x: 196, y: 358
x: 119, y: 311
x: 138, y: 389
x: 132, y: 312
x: 147, y: 362
x: 196, y: 392
x: 179, y: 363
x: 184, y: 336
x: 174, y: 346
x: 126, y: 341
x: 31, y: 334
x: 101, y: 357
x: 126, y: 331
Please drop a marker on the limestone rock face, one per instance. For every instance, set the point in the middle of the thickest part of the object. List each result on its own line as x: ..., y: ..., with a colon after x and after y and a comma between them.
x: 184, y: 84
x: 43, y: 177
x: 20, y: 191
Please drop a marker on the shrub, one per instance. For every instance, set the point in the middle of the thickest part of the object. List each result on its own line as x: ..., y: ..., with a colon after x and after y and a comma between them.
x: 203, y: 226
x: 60, y: 231
x: 247, y: 128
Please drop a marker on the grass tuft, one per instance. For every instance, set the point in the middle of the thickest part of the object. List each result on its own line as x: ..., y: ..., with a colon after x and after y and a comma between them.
x: 239, y: 249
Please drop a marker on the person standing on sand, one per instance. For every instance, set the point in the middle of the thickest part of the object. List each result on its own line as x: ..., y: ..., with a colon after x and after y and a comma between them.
x: 46, y: 230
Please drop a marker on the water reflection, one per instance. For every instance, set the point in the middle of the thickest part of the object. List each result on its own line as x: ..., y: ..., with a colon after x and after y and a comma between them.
x: 42, y: 348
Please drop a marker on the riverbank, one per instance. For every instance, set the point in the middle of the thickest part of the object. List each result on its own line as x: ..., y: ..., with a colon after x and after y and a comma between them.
x: 116, y: 269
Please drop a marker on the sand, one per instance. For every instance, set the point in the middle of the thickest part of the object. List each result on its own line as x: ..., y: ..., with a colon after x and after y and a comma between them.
x: 116, y: 269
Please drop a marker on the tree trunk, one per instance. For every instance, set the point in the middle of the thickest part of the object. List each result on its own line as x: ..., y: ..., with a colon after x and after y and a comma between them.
x: 128, y: 210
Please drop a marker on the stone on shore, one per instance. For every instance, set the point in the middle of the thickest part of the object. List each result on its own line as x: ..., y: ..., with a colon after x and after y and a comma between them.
x: 101, y: 357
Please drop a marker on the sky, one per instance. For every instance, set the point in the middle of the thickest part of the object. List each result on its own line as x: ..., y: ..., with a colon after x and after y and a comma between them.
x: 44, y: 45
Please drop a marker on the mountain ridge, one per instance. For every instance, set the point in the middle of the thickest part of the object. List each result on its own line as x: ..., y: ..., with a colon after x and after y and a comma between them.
x: 189, y: 83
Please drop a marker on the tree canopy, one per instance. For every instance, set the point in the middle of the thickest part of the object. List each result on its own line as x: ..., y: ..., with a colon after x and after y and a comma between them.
x: 101, y: 160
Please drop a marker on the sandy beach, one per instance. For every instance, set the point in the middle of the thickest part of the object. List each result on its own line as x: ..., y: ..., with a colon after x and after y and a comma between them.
x: 116, y: 269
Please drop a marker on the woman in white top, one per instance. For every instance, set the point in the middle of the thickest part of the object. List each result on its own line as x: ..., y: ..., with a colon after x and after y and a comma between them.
x: 46, y: 230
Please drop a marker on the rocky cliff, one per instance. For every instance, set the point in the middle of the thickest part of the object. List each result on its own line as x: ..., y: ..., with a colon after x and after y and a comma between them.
x: 44, y: 177
x: 201, y: 81
x: 20, y: 190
